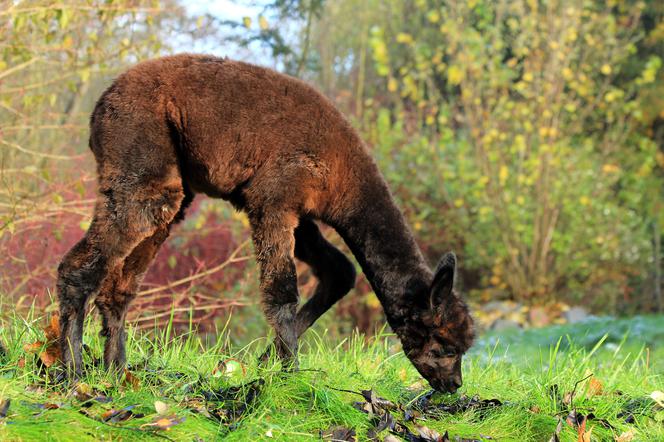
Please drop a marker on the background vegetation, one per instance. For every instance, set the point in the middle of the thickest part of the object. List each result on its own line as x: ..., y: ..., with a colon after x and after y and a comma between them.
x: 525, y: 135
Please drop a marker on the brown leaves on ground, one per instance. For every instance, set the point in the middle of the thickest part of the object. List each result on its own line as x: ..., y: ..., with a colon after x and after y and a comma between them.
x: 130, y: 380
x: 226, y: 405
x: 49, y: 351
x: 4, y: 407
x: 386, y: 415
x: 339, y: 434
x: 163, y: 423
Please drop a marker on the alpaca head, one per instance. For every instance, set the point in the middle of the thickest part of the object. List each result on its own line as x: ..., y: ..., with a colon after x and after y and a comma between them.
x: 441, y: 333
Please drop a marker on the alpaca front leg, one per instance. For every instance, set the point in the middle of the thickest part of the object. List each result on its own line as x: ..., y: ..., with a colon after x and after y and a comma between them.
x: 274, y: 241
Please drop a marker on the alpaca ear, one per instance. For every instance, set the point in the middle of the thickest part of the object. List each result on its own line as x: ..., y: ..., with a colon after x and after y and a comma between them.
x: 443, y: 281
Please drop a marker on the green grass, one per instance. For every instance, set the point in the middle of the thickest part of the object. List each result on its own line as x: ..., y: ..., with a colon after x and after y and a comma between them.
x: 518, y: 368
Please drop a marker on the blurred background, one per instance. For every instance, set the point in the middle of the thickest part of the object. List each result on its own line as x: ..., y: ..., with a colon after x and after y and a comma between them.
x: 525, y: 135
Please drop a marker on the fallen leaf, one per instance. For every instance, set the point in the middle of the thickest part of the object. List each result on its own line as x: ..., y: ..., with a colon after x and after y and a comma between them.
x: 52, y: 331
x: 164, y: 423
x: 555, y: 437
x: 121, y: 415
x: 51, y: 348
x: 268, y: 433
x: 131, y: 381
x: 33, y: 347
x: 341, y: 434
x: 82, y: 392
x: 160, y: 407
x: 4, y: 407
x: 595, y: 387
x: 626, y: 436
x: 584, y: 436
x: 428, y: 434
x: 21, y: 363
x: 51, y: 355
x: 658, y: 397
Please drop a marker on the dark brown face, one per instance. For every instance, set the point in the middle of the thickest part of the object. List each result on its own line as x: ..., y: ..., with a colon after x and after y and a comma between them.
x: 445, y: 332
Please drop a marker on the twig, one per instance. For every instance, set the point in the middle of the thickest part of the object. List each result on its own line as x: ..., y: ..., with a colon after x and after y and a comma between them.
x: 231, y: 260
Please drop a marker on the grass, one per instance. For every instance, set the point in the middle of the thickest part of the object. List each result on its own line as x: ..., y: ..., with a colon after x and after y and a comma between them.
x: 625, y: 357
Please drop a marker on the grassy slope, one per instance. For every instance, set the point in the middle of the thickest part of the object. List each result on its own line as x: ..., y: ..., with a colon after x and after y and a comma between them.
x: 518, y: 369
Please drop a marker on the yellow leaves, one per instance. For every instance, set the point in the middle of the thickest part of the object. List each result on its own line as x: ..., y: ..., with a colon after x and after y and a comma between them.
x: 485, y: 211
x: 584, y: 200
x: 571, y: 35
x: 84, y: 225
x: 68, y: 42
x: 433, y: 16
x: 372, y: 300
x: 605, y: 69
x: 568, y: 74
x: 246, y: 22
x: 405, y: 38
x: 458, y: 202
x: 455, y: 75
x: 610, y: 168
x: 84, y: 74
x: 503, y: 173
x: 262, y: 23
x: 392, y: 84
x: 528, y: 77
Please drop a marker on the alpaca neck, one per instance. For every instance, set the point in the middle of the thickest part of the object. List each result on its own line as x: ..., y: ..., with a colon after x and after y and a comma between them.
x: 385, y: 248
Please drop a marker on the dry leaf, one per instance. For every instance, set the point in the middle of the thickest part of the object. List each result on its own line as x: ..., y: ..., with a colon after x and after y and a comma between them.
x: 51, y: 353
x: 21, y: 363
x: 160, y: 407
x: 52, y: 331
x: 164, y: 423
x: 555, y: 437
x: 268, y: 433
x: 584, y: 436
x: 4, y: 407
x: 626, y: 436
x: 121, y: 415
x: 595, y: 387
x: 131, y: 381
x: 658, y: 397
x: 428, y: 434
x: 33, y: 347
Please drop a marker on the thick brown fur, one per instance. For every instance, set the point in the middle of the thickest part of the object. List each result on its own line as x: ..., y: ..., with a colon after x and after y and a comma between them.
x: 278, y: 150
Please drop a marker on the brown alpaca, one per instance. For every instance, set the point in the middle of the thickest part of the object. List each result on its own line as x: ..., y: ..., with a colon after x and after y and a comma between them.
x: 278, y: 150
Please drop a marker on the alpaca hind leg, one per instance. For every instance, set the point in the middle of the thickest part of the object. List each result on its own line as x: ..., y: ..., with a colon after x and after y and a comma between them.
x: 117, y: 292
x: 124, y: 217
